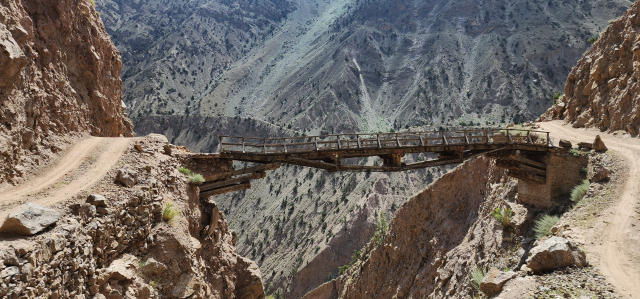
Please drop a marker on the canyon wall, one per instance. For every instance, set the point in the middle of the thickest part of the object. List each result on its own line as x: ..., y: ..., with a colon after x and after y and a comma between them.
x: 602, y: 90
x: 59, y: 77
x: 434, y: 240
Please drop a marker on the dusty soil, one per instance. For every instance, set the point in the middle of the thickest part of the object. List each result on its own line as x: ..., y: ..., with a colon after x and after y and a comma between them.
x: 614, y: 239
x: 81, y: 167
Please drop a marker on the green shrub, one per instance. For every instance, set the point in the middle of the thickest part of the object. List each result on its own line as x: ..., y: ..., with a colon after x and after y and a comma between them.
x: 169, y: 211
x: 579, y: 191
x: 574, y: 152
x: 185, y: 170
x: 476, y: 276
x: 381, y: 229
x: 543, y: 225
x: 503, y: 216
x: 592, y: 40
x: 196, y: 179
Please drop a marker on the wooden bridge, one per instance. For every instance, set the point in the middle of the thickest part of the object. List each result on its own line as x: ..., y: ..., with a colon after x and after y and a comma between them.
x: 515, y: 149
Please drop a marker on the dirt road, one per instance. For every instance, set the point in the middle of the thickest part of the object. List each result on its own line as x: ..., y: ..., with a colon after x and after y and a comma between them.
x: 617, y: 256
x: 82, y: 166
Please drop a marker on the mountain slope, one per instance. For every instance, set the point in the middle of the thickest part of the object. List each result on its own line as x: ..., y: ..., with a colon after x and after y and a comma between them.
x: 601, y: 90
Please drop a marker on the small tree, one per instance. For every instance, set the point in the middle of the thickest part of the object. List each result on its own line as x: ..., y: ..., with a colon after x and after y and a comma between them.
x: 381, y: 229
x: 503, y: 216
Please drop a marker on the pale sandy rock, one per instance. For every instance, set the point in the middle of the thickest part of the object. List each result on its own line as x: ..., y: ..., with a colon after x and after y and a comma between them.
x: 154, y: 268
x: 494, y: 280
x: 29, y: 219
x: 555, y: 253
x: 123, y: 268
x: 97, y: 200
x: 127, y: 177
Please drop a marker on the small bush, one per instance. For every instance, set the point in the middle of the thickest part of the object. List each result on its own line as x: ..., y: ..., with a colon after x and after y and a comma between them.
x: 543, y: 225
x: 592, y: 40
x: 381, y: 229
x: 185, y: 170
x: 503, y: 216
x: 574, y: 152
x: 169, y: 211
x: 476, y: 276
x: 579, y: 191
x: 196, y: 179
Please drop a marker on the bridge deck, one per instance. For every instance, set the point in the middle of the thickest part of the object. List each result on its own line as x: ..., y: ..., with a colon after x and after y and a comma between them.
x: 327, y: 152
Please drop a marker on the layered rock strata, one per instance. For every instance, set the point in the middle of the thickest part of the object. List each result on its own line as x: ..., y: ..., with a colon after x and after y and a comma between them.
x: 59, y: 77
x: 602, y: 90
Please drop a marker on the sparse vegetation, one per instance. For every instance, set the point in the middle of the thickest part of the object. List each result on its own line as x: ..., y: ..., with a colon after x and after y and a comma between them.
x: 355, y: 257
x: 580, y: 190
x: 543, y: 225
x: 592, y: 40
x: 574, y: 152
x: 196, y: 179
x: 476, y: 276
x: 381, y: 229
x: 93, y: 2
x: 169, y: 212
x: 185, y: 170
x: 503, y: 215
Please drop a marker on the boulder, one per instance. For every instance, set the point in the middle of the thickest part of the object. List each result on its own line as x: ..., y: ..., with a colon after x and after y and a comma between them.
x: 494, y: 280
x: 153, y: 268
x: 598, y: 145
x: 29, y: 219
x: 123, y: 268
x: 127, y: 177
x: 586, y: 145
x: 97, y: 200
x: 158, y: 138
x: 249, y: 283
x: 565, y: 143
x: 555, y: 253
x: 167, y: 149
x: 598, y: 173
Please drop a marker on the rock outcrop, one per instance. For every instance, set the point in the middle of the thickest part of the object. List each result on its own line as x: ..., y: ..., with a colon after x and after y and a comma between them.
x: 555, y: 253
x: 59, y: 77
x: 494, y: 281
x: 602, y: 90
x: 29, y: 219
x: 115, y: 243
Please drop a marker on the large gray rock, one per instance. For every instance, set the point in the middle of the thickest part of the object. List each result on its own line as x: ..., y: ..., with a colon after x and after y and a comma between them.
x: 29, y: 219
x: 555, y: 253
x: 127, y: 177
x: 494, y: 281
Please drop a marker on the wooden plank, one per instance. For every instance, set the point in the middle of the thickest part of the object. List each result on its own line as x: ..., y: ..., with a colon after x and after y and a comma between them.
x: 226, y: 175
x: 242, y: 179
x: 225, y: 190
x: 526, y: 176
x: 310, y: 163
x: 528, y: 161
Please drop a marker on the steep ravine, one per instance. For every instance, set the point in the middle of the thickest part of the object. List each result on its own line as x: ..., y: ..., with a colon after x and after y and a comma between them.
x: 59, y: 78
x: 434, y: 240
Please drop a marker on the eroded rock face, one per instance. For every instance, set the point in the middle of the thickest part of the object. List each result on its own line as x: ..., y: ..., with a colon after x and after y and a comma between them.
x: 494, y: 281
x: 432, y: 242
x: 59, y: 74
x: 29, y: 219
x: 601, y: 91
x: 555, y: 253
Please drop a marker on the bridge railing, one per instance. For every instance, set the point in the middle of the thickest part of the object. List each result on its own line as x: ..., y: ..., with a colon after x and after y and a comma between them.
x: 381, y: 140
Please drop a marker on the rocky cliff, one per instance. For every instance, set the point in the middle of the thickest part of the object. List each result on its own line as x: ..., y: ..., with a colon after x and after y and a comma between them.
x: 434, y: 241
x: 602, y: 89
x: 142, y: 232
x: 59, y: 77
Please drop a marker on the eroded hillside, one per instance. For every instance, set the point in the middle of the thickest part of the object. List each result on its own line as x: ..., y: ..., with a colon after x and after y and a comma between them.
x: 60, y: 77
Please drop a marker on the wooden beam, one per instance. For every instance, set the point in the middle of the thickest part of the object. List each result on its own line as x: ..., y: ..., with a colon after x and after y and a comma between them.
x: 519, y: 174
x: 225, y: 190
x: 528, y: 161
x: 310, y: 163
x: 226, y: 175
x: 242, y: 179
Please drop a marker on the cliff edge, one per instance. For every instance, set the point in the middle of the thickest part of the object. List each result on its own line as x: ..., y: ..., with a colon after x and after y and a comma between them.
x: 602, y: 90
x: 59, y: 77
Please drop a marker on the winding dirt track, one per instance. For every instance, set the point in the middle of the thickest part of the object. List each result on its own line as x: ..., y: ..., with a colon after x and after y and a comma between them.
x: 94, y: 155
x: 616, y: 261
